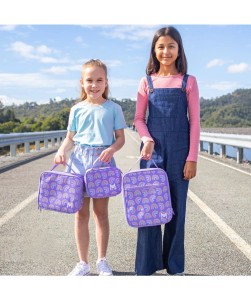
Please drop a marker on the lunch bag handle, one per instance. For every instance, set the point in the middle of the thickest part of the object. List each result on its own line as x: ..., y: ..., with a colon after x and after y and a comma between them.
x: 140, y: 159
x: 109, y: 163
x: 55, y: 165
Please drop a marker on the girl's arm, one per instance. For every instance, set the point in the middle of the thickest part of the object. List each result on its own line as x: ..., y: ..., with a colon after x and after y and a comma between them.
x: 140, y: 121
x: 108, y: 153
x: 140, y: 114
x: 68, y: 143
x: 194, y: 118
x: 190, y: 168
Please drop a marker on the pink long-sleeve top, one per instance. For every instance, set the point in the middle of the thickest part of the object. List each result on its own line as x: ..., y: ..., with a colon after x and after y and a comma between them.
x: 172, y: 81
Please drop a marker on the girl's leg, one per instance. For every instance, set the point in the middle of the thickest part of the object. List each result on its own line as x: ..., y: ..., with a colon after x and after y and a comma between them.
x: 82, y: 230
x: 100, y: 213
x: 174, y: 231
x: 149, y: 250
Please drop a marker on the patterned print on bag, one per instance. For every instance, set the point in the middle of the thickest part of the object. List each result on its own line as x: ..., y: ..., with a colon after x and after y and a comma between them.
x: 103, y: 182
x: 147, y: 197
x: 59, y: 192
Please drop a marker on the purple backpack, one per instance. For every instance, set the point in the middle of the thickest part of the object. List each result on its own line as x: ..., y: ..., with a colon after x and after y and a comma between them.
x: 60, y: 191
x: 103, y: 182
x: 147, y: 199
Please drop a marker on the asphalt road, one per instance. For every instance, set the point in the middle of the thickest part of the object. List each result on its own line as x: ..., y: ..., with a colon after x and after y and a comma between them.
x: 218, y: 223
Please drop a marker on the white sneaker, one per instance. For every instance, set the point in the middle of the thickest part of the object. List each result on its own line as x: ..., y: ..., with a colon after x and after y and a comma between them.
x: 81, y: 269
x: 103, y: 268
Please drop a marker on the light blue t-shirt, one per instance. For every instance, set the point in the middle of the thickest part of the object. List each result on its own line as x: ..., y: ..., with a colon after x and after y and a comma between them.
x: 95, y: 124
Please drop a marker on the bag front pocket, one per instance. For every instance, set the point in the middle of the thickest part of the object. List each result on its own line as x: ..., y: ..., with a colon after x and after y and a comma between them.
x: 147, y: 205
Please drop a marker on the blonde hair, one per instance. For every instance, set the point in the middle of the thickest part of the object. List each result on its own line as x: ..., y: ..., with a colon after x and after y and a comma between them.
x: 95, y: 63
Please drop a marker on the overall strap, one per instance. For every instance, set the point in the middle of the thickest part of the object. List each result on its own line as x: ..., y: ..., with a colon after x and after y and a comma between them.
x: 150, y: 83
x: 184, y: 82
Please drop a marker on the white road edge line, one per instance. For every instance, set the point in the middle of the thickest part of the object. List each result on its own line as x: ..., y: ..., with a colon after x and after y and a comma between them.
x: 11, y: 213
x: 242, y: 245
x: 225, y: 165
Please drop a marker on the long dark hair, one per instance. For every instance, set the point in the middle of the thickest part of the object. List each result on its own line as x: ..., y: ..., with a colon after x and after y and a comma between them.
x: 153, y: 64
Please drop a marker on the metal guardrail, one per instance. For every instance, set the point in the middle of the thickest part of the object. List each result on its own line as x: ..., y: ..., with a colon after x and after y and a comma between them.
x: 26, y: 138
x: 241, y: 142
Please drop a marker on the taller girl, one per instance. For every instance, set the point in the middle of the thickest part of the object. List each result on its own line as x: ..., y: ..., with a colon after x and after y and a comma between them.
x: 170, y: 137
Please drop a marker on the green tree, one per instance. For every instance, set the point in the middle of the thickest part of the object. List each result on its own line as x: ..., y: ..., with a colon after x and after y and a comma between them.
x: 51, y: 123
x: 1, y: 111
x: 7, y: 127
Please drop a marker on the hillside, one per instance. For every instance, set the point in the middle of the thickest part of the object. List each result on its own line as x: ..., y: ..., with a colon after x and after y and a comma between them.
x: 231, y: 110
x: 228, y: 111
x: 32, y: 109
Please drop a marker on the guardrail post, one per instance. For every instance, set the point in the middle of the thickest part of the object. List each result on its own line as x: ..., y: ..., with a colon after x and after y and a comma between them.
x: 210, y: 148
x: 201, y: 146
x: 26, y: 147
x: 37, y: 145
x: 46, y: 143
x: 223, y: 151
x: 53, y: 142
x: 13, y: 150
x: 239, y: 155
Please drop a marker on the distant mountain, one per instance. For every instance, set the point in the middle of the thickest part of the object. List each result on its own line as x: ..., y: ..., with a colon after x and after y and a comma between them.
x: 231, y: 110
x: 33, y: 110
x: 228, y: 111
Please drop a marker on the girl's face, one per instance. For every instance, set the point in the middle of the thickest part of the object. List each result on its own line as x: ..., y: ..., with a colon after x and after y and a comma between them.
x: 166, y: 51
x: 94, y: 82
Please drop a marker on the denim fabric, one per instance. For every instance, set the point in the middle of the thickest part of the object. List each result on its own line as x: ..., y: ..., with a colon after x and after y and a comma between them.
x: 83, y: 157
x: 169, y: 127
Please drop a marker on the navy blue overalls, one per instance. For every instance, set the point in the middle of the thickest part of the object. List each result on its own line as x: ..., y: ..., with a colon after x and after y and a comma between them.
x: 169, y: 127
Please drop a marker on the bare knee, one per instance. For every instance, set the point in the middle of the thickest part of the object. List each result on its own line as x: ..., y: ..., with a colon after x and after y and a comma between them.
x: 83, y: 215
x: 100, y: 215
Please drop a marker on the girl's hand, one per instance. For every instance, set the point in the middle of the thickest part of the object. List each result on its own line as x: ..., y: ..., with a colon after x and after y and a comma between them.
x: 190, y: 170
x: 147, y: 150
x: 106, y: 155
x: 60, y: 158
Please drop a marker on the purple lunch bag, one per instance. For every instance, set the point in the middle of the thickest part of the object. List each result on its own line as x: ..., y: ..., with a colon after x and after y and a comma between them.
x: 60, y: 191
x: 103, y: 182
x: 147, y: 200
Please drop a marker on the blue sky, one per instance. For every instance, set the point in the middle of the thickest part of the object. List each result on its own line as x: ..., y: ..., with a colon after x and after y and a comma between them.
x: 43, y: 61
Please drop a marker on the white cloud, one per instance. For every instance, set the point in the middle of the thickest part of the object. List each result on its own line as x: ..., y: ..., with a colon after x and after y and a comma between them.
x: 62, y: 69
x: 9, y: 100
x: 133, y: 33
x: 43, y: 49
x: 55, y: 70
x: 223, y: 85
x: 215, y: 63
x: 22, y: 48
x: 7, y: 27
x: 239, y: 68
x: 36, y: 53
x: 34, y: 81
x: 59, y: 70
